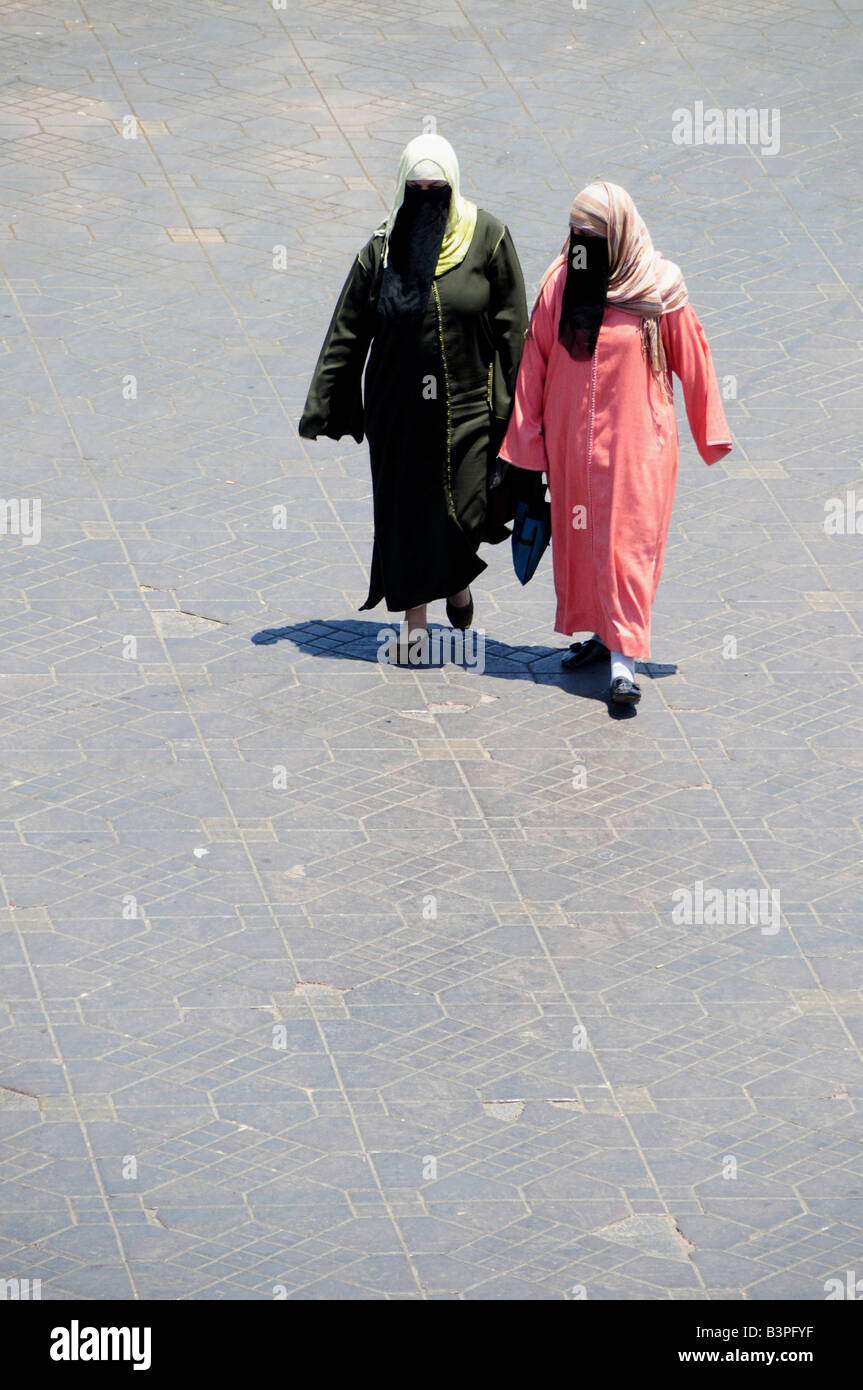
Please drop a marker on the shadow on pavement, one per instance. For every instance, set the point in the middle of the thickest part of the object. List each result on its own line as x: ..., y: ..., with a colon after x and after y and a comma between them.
x: 351, y: 639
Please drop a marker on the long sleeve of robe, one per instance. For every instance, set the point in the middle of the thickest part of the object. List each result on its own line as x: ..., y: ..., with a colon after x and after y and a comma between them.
x: 334, y: 406
x: 688, y: 355
x: 605, y: 432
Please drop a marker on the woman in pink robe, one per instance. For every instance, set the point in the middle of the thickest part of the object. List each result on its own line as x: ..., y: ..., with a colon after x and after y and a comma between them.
x: 593, y: 409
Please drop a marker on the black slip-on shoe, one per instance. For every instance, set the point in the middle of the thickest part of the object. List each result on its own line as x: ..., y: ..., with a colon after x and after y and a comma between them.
x: 624, y: 692
x: 583, y: 653
x: 462, y: 617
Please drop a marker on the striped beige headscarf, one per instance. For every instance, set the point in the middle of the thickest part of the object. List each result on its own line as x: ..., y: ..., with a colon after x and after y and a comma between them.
x: 641, y: 280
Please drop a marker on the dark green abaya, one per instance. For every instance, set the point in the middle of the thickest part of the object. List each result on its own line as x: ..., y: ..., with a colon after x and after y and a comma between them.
x: 435, y: 406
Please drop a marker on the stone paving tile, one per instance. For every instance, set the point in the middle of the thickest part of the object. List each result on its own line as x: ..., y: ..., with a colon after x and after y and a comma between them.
x: 323, y: 980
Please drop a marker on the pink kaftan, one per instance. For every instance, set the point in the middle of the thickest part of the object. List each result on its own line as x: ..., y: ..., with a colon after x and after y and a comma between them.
x: 605, y: 433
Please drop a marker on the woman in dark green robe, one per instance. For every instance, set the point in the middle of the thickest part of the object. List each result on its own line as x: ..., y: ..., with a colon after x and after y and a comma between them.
x: 438, y: 388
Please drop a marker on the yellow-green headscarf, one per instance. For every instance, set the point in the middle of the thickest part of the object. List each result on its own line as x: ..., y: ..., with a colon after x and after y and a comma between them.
x: 461, y: 222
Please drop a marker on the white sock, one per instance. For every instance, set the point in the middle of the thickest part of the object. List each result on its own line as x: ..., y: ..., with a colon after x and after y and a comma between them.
x: 622, y: 666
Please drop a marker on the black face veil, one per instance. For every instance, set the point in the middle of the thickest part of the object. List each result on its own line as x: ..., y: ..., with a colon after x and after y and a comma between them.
x: 414, y: 248
x: 584, y: 294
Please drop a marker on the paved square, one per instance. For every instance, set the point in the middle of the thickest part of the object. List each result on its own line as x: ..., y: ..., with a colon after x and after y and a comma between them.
x: 321, y: 979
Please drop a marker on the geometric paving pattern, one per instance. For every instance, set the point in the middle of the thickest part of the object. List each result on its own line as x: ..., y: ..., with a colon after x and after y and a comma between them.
x: 327, y: 980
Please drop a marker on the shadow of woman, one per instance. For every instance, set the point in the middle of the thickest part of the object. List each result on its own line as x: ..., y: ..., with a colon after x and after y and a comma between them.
x: 351, y: 639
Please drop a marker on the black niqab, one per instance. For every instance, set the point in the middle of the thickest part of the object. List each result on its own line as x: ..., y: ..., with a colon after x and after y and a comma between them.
x: 584, y: 294
x: 414, y: 249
